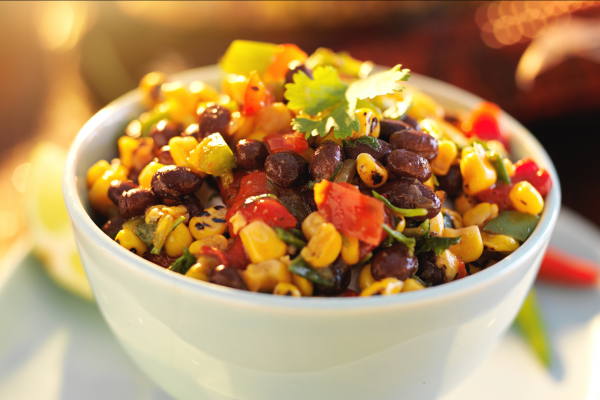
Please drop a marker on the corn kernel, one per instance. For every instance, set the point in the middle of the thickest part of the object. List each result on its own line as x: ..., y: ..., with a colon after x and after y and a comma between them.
x: 274, y: 118
x: 385, y: 287
x: 312, y: 223
x: 411, y: 285
x: 324, y: 247
x: 368, y: 121
x: 423, y: 106
x: 209, y: 222
x: 329, y: 136
x: 145, y: 177
x: 450, y: 263
x: 436, y: 225
x: 96, y: 171
x: 203, y: 267
x: 430, y: 183
x: 447, y: 153
x: 119, y: 171
x: 464, y: 202
x: 261, y: 242
x: 401, y: 224
x: 217, y: 241
x: 98, y: 196
x: 286, y: 289
x: 477, y: 172
x: 305, y: 286
x: 480, y: 215
x: 180, y: 148
x: 179, y: 238
x: 455, y: 215
x: 182, y: 105
x: 470, y: 246
x: 365, y: 278
x: 510, y: 167
x: 350, y: 250
x: 258, y: 134
x: 265, y: 275
x: 131, y: 242
x: 526, y: 199
x: 150, y: 87
x: 245, y: 128
x: 200, y: 91
x: 127, y: 145
x: 501, y: 243
x: 235, y: 87
x: 371, y: 171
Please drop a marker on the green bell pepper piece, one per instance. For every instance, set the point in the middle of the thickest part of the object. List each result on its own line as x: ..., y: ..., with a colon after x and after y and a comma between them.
x: 515, y: 224
x: 213, y: 156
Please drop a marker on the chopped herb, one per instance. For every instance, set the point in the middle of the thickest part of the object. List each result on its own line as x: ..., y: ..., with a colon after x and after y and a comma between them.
x: 315, y: 95
x: 436, y: 243
x: 498, y: 164
x: 515, y: 224
x: 297, y: 232
x: 399, y: 110
x: 177, y: 222
x: 145, y: 232
x: 335, y: 172
x: 420, y: 231
x: 448, y: 221
x: 370, y: 141
x: 289, y: 238
x: 320, y: 276
x: 408, y: 242
x: 213, y: 196
x: 339, y: 119
x: 183, y: 263
x: 405, y: 212
x: 386, y: 82
x: 312, y: 184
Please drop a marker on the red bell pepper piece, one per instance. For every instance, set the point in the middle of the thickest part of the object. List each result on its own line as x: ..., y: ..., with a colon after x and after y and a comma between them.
x: 350, y: 211
x: 485, y: 123
x: 256, y: 95
x: 236, y: 255
x: 284, y: 54
x: 287, y: 142
x: 564, y: 268
x: 268, y: 210
x: 253, y: 184
x: 497, y: 194
x: 528, y: 170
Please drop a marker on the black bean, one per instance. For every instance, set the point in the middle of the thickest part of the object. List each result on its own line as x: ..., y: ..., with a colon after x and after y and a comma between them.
x: 293, y: 200
x: 193, y: 204
x: 420, y: 143
x: 428, y: 270
x: 163, y: 131
x: 164, y: 156
x: 117, y: 188
x: 326, y: 160
x: 380, y: 155
x: 251, y: 154
x: 412, y: 122
x: 452, y: 182
x: 213, y: 119
x: 342, y: 274
x: 161, y: 259
x: 394, y: 262
x: 172, y: 182
x: 287, y: 169
x: 410, y: 193
x: 390, y: 126
x: 404, y: 163
x: 134, y: 202
x: 113, y: 226
x: 228, y: 276
x: 309, y: 200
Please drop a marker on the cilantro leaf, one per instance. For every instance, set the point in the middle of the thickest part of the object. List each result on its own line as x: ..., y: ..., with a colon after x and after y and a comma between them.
x: 183, y: 263
x: 386, y: 82
x: 342, y: 122
x: 315, y: 95
x: 370, y: 141
x: 439, y: 244
x: 397, y: 236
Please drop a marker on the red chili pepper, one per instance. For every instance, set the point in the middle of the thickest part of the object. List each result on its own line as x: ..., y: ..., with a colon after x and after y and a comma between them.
x: 256, y: 95
x: 567, y: 269
x: 287, y: 142
x: 284, y: 54
x: 485, y: 123
x: 528, y: 170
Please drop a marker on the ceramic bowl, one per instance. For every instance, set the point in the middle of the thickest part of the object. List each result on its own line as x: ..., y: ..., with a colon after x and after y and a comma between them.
x: 203, y: 341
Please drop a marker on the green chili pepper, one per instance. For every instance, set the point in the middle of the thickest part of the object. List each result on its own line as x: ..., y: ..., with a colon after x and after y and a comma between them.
x: 422, y: 231
x: 289, y: 238
x: 408, y: 242
x: 320, y: 276
x: 496, y: 160
x: 405, y: 212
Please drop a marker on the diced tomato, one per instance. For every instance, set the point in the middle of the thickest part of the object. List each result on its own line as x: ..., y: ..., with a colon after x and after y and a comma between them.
x: 350, y: 211
x: 485, y: 123
x: 212, y: 251
x: 253, y: 184
x: 365, y: 248
x: 268, y: 210
x: 461, y: 270
x: 236, y: 255
x: 350, y: 293
x: 228, y: 195
x: 288, y: 142
x: 497, y: 194
x: 284, y: 54
x: 256, y: 95
x: 528, y: 170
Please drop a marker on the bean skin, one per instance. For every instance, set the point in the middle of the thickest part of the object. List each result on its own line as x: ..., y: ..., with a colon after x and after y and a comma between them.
x: 113, y: 226
x: 394, y: 262
x: 342, y: 274
x: 163, y: 131
x: 390, y: 126
x: 287, y: 169
x: 380, y: 155
x: 117, y: 188
x: 164, y: 156
x: 452, y: 182
x: 326, y: 160
x: 428, y: 271
x: 251, y: 154
x: 214, y: 119
x: 172, y: 182
x: 420, y: 143
x: 227, y: 276
x: 410, y: 193
x: 407, y: 164
x: 134, y: 202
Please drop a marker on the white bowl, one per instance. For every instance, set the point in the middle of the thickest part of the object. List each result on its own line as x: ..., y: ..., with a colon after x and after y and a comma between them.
x: 203, y: 341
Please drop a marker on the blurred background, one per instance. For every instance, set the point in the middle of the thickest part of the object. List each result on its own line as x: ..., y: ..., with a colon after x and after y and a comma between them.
x: 539, y: 60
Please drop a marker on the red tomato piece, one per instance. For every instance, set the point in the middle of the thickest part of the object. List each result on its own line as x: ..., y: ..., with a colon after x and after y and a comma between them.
x: 270, y: 211
x: 256, y: 95
x: 236, y: 255
x: 284, y: 54
x: 288, y: 142
x: 350, y: 211
x: 497, y: 194
x: 350, y: 293
x: 228, y: 195
x: 461, y: 270
x: 528, y: 170
x: 253, y: 184
x: 485, y: 123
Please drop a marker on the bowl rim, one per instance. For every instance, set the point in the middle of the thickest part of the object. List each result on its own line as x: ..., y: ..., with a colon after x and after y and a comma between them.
x: 83, y: 222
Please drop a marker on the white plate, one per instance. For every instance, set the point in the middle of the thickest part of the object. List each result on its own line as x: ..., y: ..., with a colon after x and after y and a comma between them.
x: 54, y: 346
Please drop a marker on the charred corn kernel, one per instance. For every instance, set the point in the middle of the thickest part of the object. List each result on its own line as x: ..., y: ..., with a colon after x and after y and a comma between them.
x: 424, y: 106
x: 180, y: 148
x: 329, y: 136
x: 200, y: 91
x: 179, y: 238
x: 209, y: 222
x: 131, y: 242
x: 365, y: 278
x: 450, y: 263
x: 501, y: 243
x: 510, y: 167
x: 96, y: 171
x: 371, y: 171
x: 127, y: 145
x: 350, y: 250
x: 235, y: 87
x: 98, y: 196
x: 368, y: 123
x: 436, y: 225
x: 411, y: 285
x: 217, y: 241
x: 274, y: 118
x: 305, y: 286
x: 203, y: 267
x: 464, y: 203
x: 150, y: 87
x: 447, y: 153
x: 385, y: 287
x: 324, y: 247
x: 455, y: 215
x: 265, y: 275
x: 286, y: 289
x: 480, y: 215
x: 477, y: 172
x: 312, y: 224
x: 525, y: 198
x: 470, y: 246
x: 261, y: 242
x: 154, y: 213
x: 145, y: 177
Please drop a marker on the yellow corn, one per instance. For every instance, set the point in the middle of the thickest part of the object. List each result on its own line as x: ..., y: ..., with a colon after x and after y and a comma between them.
x: 179, y: 238
x: 430, y: 183
x: 411, y: 285
x: 258, y: 134
x: 312, y: 224
x: 455, y: 215
x: 131, y: 242
x: 365, y: 278
x: 237, y: 221
x: 127, y: 145
x: 385, y: 287
x: 274, y: 118
x: 477, y: 172
x: 235, y: 87
x: 329, y: 136
x: 98, y: 195
x: 203, y: 267
x: 424, y: 106
x: 432, y: 127
x: 510, y: 167
x: 209, y: 222
x: 470, y: 246
x: 401, y: 224
x: 501, y: 243
x: 350, y: 250
x: 497, y: 146
x: 118, y: 170
x: 265, y: 275
x: 480, y: 215
x: 182, y: 105
x: 307, y: 154
x: 447, y: 153
x: 180, y: 148
x: 464, y: 202
x: 525, y: 198
x: 96, y: 171
x: 371, y: 171
x: 305, y: 286
x: 323, y: 248
x: 449, y: 262
x: 217, y: 241
x: 436, y: 225
x: 286, y: 289
x: 145, y: 177
x: 369, y: 124
x: 244, y: 128
x: 149, y: 86
x: 261, y: 242
x: 200, y: 91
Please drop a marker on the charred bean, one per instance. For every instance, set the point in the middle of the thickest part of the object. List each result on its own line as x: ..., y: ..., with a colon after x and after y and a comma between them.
x: 407, y: 164
x: 410, y: 193
x: 134, y: 202
x: 117, y: 188
x: 452, y: 182
x: 227, y: 276
x: 390, y: 126
x: 113, y: 226
x: 420, y: 143
x: 428, y: 270
x: 172, y: 182
x: 287, y: 169
x: 342, y: 273
x: 380, y: 155
x: 164, y: 156
x: 326, y: 160
x: 213, y: 119
x: 251, y: 154
x: 394, y: 262
x: 163, y: 131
